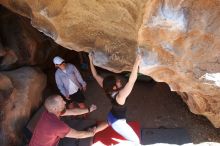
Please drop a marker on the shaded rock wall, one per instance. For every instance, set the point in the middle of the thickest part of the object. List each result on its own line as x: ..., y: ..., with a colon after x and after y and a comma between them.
x: 20, y: 43
x: 21, y: 92
x: 179, y: 40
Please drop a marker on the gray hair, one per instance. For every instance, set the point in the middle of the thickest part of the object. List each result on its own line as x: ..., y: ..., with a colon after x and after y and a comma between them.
x: 51, y: 102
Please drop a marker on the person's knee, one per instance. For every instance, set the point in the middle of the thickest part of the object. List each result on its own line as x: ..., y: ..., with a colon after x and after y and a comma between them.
x: 82, y: 105
x: 135, y: 139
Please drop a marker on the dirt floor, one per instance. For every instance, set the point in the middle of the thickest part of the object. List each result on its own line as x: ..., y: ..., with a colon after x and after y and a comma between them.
x: 155, y: 106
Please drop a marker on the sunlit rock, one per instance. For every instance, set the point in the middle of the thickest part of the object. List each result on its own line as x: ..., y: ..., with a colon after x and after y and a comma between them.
x: 181, y: 43
x: 109, y: 26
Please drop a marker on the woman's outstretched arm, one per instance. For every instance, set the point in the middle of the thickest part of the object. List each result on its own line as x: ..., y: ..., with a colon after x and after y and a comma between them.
x: 98, y: 78
x: 123, y: 93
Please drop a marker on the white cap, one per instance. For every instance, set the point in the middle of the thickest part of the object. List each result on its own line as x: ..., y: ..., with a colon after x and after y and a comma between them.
x: 58, y: 60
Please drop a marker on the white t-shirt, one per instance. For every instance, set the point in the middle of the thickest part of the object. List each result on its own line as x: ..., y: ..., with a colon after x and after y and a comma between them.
x: 72, y: 87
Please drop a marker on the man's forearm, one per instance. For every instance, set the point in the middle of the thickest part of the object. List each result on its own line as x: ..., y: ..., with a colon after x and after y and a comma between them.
x: 79, y: 134
x: 85, y: 134
x: 76, y: 111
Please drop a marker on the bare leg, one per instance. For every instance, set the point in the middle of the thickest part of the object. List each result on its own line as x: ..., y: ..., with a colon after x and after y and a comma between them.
x: 82, y: 105
x: 71, y: 105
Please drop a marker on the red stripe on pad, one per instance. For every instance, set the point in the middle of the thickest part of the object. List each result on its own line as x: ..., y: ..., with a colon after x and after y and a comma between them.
x: 106, y: 135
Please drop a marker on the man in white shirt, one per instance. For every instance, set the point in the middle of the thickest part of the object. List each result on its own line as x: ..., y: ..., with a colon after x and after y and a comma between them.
x: 70, y: 82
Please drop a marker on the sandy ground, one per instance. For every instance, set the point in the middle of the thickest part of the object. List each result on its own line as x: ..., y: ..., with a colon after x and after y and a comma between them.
x: 153, y: 105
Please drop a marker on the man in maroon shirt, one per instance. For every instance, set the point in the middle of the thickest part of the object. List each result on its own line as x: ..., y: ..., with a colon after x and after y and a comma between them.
x: 50, y: 128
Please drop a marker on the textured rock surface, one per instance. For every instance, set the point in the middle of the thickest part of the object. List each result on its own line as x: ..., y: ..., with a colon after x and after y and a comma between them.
x: 21, y: 92
x: 179, y: 38
x: 109, y: 26
x: 182, y: 46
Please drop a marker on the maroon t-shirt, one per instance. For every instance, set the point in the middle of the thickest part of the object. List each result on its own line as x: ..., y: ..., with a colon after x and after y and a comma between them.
x: 48, y: 130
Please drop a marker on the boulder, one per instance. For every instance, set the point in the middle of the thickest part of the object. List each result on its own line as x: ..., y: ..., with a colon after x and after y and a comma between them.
x: 21, y: 93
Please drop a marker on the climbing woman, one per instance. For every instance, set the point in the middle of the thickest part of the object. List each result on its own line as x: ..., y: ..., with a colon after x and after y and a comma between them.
x: 118, y: 95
